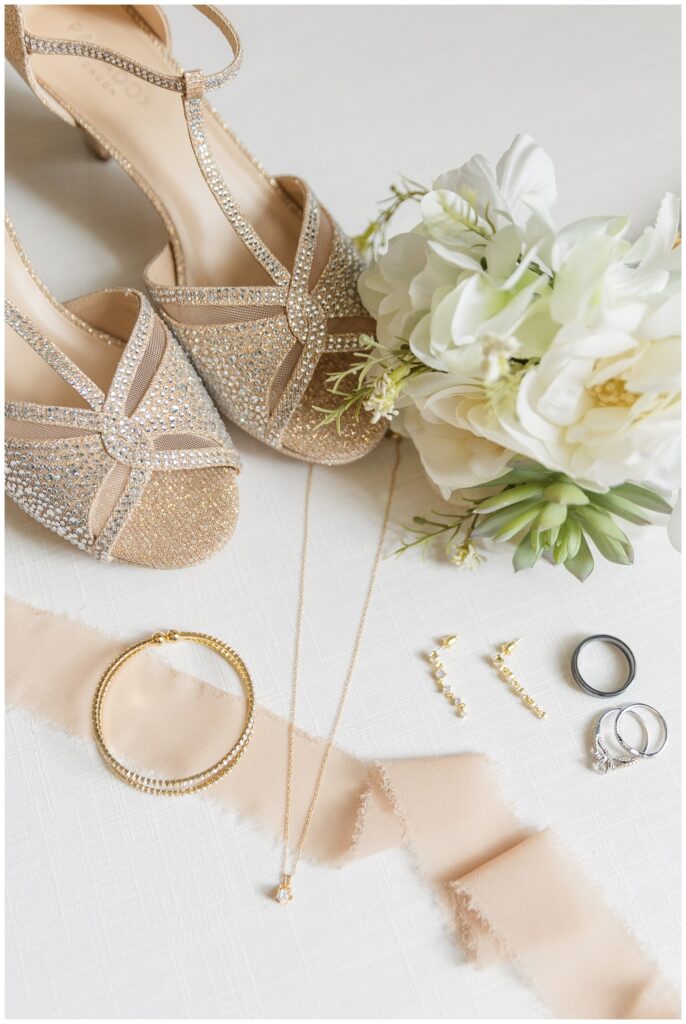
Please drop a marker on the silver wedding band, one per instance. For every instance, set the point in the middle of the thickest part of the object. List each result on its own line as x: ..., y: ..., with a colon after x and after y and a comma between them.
x: 604, y: 759
x: 630, y: 708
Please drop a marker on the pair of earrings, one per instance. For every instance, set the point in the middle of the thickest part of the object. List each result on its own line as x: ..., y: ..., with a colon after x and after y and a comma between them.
x: 498, y: 661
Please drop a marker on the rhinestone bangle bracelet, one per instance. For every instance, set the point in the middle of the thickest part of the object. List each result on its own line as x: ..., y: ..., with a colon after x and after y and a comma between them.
x: 199, y: 780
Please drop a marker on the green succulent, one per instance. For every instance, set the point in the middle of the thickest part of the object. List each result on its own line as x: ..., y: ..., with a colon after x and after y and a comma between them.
x: 548, y: 512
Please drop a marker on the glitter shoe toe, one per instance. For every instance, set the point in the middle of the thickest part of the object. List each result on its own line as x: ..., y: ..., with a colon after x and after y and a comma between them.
x: 111, y: 440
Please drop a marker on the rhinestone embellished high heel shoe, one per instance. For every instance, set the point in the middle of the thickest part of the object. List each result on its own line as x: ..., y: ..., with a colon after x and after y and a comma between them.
x: 110, y: 437
x: 257, y: 281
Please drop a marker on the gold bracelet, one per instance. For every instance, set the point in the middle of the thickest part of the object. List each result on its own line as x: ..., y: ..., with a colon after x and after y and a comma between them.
x: 190, y: 783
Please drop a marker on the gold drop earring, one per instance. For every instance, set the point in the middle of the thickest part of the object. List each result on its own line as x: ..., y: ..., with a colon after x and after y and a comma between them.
x: 440, y: 675
x: 510, y: 678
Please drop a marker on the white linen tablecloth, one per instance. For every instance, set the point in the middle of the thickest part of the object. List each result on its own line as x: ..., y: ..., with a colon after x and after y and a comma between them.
x: 122, y: 906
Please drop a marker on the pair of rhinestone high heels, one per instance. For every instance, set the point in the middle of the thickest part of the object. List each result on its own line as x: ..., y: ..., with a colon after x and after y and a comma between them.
x: 113, y: 438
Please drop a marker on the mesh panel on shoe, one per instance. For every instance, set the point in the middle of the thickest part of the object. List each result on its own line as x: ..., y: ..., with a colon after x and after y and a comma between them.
x: 283, y: 375
x: 338, y: 325
x: 24, y: 430
x: 108, y: 496
x: 177, y: 442
x: 147, y: 367
x: 209, y: 315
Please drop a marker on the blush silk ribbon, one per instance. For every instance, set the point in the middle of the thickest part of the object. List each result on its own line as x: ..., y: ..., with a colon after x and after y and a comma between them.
x: 514, y: 895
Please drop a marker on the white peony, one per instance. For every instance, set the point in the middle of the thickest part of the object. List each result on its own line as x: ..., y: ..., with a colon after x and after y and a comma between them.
x: 603, y: 404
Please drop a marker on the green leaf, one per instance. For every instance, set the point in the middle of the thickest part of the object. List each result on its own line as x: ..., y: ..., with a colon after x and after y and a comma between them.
x: 551, y: 516
x: 549, y: 537
x: 565, y: 494
x: 622, y: 507
x: 612, y: 549
x: 581, y: 564
x: 643, y: 496
x: 574, y: 537
x: 517, y: 523
x: 526, y: 555
x: 601, y: 521
x: 612, y: 544
x: 488, y: 526
x: 510, y: 496
x: 561, y: 548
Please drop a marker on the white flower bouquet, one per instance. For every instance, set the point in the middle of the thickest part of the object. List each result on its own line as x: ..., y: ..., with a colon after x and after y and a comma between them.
x: 536, y: 366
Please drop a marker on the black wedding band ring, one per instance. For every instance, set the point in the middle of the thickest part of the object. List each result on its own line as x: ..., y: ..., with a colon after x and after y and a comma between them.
x: 620, y: 645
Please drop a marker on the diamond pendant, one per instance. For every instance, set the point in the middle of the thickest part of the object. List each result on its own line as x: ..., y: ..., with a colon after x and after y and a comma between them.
x: 283, y: 894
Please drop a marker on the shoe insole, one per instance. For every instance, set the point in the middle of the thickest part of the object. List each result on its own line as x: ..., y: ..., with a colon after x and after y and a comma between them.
x: 28, y: 378
x: 146, y: 124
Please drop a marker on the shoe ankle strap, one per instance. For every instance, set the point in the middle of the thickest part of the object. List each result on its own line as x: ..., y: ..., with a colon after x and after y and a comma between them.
x: 191, y: 83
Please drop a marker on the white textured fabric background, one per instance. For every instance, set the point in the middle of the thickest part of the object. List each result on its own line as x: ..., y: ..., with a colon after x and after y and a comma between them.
x: 122, y: 906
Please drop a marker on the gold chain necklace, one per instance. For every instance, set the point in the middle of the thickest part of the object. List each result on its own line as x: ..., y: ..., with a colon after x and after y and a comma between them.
x: 283, y: 893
